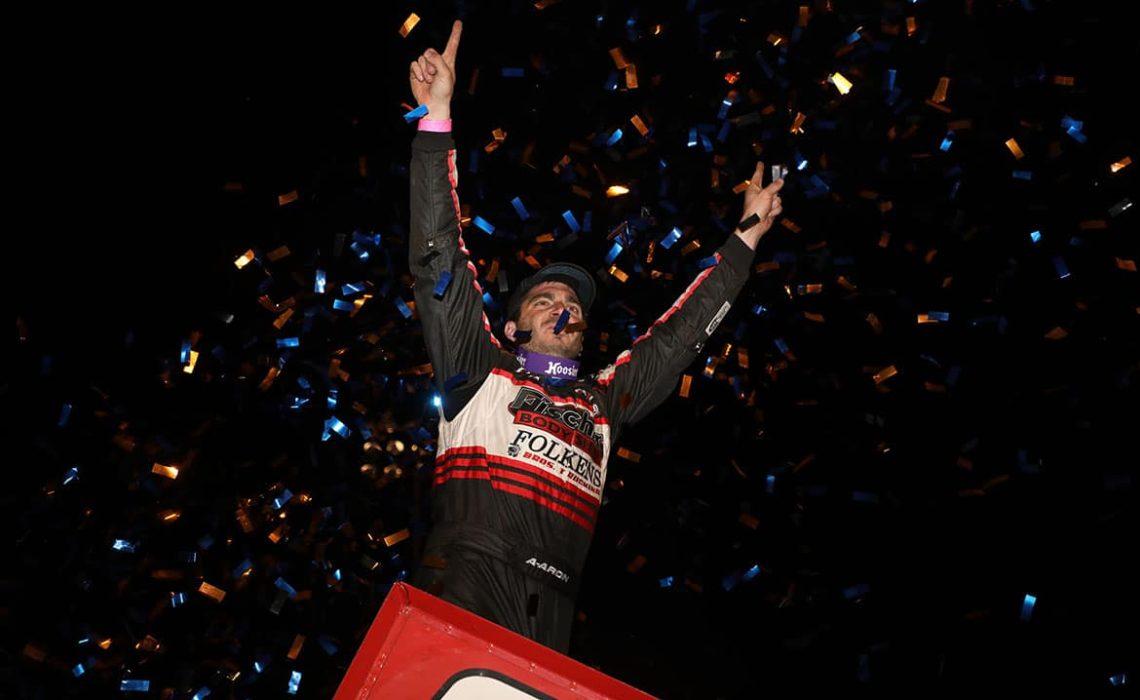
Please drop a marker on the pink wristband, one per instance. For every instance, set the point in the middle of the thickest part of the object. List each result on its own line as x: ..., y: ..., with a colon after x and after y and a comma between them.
x: 440, y: 125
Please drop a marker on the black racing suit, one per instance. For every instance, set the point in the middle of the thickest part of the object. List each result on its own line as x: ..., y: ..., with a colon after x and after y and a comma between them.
x: 521, y: 462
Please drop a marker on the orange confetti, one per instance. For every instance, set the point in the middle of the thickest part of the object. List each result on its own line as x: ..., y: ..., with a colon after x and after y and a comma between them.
x: 1129, y: 265
x: 246, y: 258
x: 295, y: 649
x: 885, y: 374
x: 1011, y: 144
x: 397, y: 537
x: 686, y: 384
x: 1057, y: 333
x: 639, y: 124
x: 939, y: 95
x: 211, y: 592
x: 287, y: 198
x: 409, y: 24
x: 1120, y: 164
x: 628, y: 454
x: 278, y: 253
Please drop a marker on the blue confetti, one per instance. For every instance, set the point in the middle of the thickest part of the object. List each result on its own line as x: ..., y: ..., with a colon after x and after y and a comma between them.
x: 1027, y: 606
x: 563, y: 319
x: 123, y: 545
x: 947, y: 142
x: 729, y: 582
x: 613, y: 81
x: 482, y: 223
x: 1061, y: 267
x: 665, y: 582
x: 938, y: 315
x: 1023, y: 175
x: 177, y: 599
x: 71, y: 475
x: 64, y: 415
x: 1118, y: 679
x: 615, y: 251
x: 614, y: 137
x: 706, y: 262
x: 243, y: 568
x: 336, y: 426
x: 206, y: 541
x: 361, y: 251
x: 343, y: 305
x: 403, y: 308
x: 349, y: 288
x: 291, y: 342
x: 327, y: 644
x: 294, y: 682
x: 781, y: 345
x: 280, y: 501
x: 134, y: 685
x: 520, y: 208
x: 751, y: 573
x: 319, y: 282
x: 78, y: 670
x: 1035, y: 236
x: 202, y: 694
x: 692, y: 137
x: 568, y: 217
x: 513, y: 73
x: 436, y: 401
x: 770, y: 483
x: 415, y: 114
x: 284, y: 585
x: 441, y: 286
x: 722, y: 135
x: 671, y: 238
x: 725, y: 105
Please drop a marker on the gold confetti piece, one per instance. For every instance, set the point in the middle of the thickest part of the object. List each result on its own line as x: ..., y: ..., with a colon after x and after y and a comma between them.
x: 691, y: 246
x: 885, y: 374
x: 749, y: 521
x: 543, y: 4
x: 731, y: 77
x: 939, y: 95
x: 929, y: 103
x: 1120, y: 164
x: 631, y: 77
x: 105, y: 643
x: 409, y: 24
x: 1128, y: 265
x: 927, y: 318
x: 188, y: 368
x: 245, y: 259
x: 148, y: 643
x: 492, y: 146
x: 278, y: 253
x: 818, y: 318
x: 934, y: 388
x: 639, y: 124
x: 767, y: 266
x: 842, y: 84
x: 212, y: 592
x: 1057, y: 333
x: 163, y: 470
x: 803, y: 16
x: 295, y: 648
x: 686, y: 384
x: 34, y: 652
x: 397, y: 537
x: 287, y: 198
x: 618, y: 273
x: 533, y: 262
x: 628, y: 454
x: 282, y: 319
x: 742, y: 357
x: 269, y: 377
x: 578, y: 327
x: 798, y: 123
x: 884, y: 239
x: 616, y: 191
x: 790, y: 225
x: 1093, y: 225
x: 170, y: 515
x: 846, y: 284
x: 930, y: 255
x: 618, y: 57
x: 1064, y: 80
x: 911, y: 26
x: 277, y: 534
x: 741, y: 187
x: 1011, y: 144
x: 634, y: 566
x: 545, y: 238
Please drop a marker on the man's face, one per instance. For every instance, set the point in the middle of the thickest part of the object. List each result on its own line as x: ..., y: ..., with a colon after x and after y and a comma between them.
x: 540, y: 311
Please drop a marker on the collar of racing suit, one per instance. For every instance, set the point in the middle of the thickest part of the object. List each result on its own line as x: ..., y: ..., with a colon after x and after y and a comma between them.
x: 547, y: 365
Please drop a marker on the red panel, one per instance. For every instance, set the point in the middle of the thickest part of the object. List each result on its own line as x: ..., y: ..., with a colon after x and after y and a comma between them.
x: 422, y: 647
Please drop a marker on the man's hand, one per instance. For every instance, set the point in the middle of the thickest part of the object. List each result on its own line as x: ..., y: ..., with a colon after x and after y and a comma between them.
x: 761, y: 207
x: 432, y: 76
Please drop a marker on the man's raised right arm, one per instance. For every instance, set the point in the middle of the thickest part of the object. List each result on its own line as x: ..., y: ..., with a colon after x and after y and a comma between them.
x: 458, y: 335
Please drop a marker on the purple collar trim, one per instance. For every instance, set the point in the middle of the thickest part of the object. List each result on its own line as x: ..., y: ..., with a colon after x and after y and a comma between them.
x: 548, y: 365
